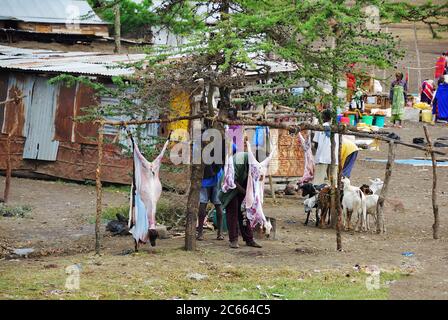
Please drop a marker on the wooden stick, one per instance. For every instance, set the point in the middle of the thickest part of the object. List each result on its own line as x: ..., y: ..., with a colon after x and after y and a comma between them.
x: 99, y: 191
x: 435, y: 206
x: 332, y: 181
x: 137, y: 122
x: 380, y: 226
x: 12, y: 99
x: 8, y: 173
x: 8, y: 169
x: 347, y: 130
x: 338, y: 198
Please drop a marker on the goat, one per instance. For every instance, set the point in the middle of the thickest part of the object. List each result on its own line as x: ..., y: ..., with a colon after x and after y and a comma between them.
x: 310, y: 190
x: 371, y: 207
x: 376, y: 185
x: 324, y: 204
x: 371, y: 192
x: 354, y: 200
x: 309, y: 204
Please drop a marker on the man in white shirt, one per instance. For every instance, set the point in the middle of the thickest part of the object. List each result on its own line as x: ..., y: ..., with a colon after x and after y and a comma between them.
x: 323, y: 152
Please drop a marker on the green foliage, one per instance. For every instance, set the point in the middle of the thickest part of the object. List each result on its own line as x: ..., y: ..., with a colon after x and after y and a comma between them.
x: 22, y: 211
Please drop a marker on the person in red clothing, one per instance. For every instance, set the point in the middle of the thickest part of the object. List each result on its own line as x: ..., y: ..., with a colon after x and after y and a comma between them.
x: 441, y: 66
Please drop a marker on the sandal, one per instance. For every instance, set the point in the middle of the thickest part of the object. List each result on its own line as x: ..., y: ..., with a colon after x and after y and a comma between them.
x: 220, y: 237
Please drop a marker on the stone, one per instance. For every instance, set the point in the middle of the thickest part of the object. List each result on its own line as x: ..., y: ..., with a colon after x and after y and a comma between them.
x: 197, y: 276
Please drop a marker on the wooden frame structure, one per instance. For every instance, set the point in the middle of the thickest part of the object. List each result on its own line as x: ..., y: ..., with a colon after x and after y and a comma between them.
x: 340, y: 129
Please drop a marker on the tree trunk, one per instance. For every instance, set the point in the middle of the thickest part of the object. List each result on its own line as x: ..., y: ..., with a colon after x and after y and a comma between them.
x: 99, y: 191
x: 435, y: 206
x: 380, y: 227
x: 338, y: 199
x: 196, y: 173
x: 117, y: 28
x: 333, y: 213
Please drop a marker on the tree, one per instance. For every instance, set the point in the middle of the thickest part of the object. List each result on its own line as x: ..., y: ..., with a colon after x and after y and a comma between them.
x: 321, y: 38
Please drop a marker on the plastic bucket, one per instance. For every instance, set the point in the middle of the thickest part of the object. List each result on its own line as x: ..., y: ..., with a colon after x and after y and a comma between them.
x: 345, y: 120
x: 215, y: 220
x: 379, y: 121
x: 426, y: 115
x: 352, y: 118
x: 367, y: 120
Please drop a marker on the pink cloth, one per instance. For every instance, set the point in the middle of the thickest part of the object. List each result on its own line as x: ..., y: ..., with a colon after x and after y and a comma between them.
x: 142, y: 217
x: 255, y: 187
x: 235, y: 133
x: 308, y: 173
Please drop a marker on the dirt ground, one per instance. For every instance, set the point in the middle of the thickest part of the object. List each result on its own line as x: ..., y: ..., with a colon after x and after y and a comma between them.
x: 60, y: 225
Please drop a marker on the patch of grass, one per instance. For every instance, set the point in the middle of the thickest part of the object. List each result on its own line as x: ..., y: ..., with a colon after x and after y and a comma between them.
x: 169, y: 213
x: 117, y: 188
x: 164, y: 275
x: 23, y: 211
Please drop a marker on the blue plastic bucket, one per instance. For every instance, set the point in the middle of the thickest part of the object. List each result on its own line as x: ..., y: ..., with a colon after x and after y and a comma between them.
x: 379, y: 121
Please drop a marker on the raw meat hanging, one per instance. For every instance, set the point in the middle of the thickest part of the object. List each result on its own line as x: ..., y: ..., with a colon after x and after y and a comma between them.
x: 229, y: 170
x: 308, y: 173
x: 145, y: 192
x: 255, y: 187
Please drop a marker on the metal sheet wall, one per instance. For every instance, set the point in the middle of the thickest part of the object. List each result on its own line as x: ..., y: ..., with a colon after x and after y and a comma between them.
x: 39, y: 144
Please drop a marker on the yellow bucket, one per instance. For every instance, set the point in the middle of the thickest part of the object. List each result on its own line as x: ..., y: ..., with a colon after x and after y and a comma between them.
x: 427, y: 116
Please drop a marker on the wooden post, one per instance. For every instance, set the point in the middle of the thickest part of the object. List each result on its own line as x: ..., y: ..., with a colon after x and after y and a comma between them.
x: 380, y: 227
x: 338, y: 198
x: 117, y: 28
x: 435, y: 206
x: 333, y: 212
x: 99, y: 191
x: 8, y: 169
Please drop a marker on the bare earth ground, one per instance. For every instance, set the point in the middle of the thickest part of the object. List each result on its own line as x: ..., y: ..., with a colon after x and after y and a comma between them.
x: 60, y: 230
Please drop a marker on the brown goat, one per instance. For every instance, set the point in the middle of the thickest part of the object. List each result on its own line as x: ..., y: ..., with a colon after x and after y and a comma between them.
x: 324, y: 204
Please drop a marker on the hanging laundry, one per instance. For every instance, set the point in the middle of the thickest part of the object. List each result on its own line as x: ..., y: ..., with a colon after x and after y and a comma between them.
x: 255, y: 187
x: 229, y: 170
x: 259, y: 135
x: 145, y: 193
x: 236, y: 135
x: 308, y: 173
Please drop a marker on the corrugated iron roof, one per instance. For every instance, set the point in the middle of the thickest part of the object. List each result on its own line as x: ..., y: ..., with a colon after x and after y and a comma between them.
x: 85, y: 63
x: 49, y: 11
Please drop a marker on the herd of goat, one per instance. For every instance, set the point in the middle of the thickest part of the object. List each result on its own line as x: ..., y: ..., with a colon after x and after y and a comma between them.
x: 361, y: 201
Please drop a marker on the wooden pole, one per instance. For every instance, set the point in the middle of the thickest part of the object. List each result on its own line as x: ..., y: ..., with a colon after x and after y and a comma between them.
x: 8, y: 169
x: 380, y: 227
x: 338, y: 198
x: 196, y: 175
x: 291, y: 128
x: 333, y: 200
x: 435, y: 206
x: 349, y: 130
x: 99, y: 191
x: 138, y: 122
x: 117, y: 28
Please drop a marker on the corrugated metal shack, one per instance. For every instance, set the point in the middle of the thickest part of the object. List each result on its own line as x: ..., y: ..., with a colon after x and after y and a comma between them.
x: 50, y: 17
x: 47, y: 141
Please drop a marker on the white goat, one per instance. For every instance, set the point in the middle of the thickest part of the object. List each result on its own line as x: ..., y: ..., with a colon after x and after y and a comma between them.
x: 376, y: 185
x: 354, y: 200
x: 371, y: 203
x: 309, y: 204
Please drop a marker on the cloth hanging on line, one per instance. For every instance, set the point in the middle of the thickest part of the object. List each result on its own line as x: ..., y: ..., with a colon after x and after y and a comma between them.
x: 255, y: 187
x: 259, y: 135
x: 145, y: 192
x: 308, y: 172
